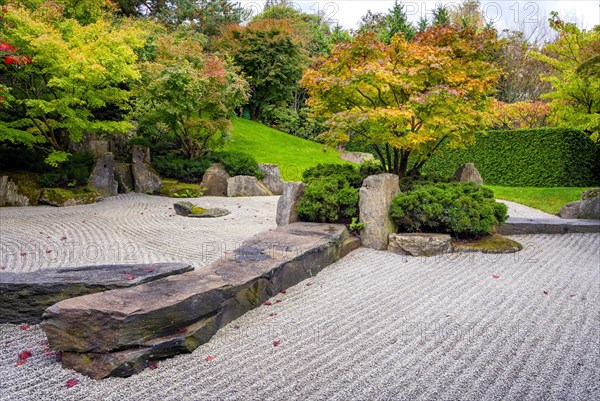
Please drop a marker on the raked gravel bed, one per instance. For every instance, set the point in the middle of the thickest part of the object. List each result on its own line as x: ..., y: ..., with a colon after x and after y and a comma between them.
x: 375, y: 325
x: 127, y: 229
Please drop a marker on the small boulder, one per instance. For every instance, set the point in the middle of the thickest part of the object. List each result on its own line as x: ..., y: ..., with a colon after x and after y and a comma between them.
x: 188, y: 209
x: 246, y: 185
x: 570, y: 210
x: 590, y: 204
x: 9, y: 193
x: 420, y: 244
x: 287, y: 206
x: 272, y: 179
x: 102, y: 178
x: 215, y: 180
x: 183, y: 208
x: 145, y: 178
x: 63, y: 197
x: 375, y: 201
x: 124, y: 177
x: 468, y: 173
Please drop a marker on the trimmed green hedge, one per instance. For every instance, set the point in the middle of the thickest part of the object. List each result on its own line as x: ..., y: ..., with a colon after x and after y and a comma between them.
x: 545, y: 157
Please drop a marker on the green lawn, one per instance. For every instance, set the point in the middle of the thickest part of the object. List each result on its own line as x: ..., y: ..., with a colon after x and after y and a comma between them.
x: 293, y: 155
x: 549, y: 200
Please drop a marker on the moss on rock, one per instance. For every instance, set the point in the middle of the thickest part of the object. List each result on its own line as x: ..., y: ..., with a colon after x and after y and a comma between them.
x: 489, y: 244
x: 65, y: 197
x: 176, y: 189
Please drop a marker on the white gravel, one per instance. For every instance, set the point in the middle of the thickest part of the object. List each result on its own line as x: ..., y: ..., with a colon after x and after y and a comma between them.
x: 372, y: 326
x: 518, y: 210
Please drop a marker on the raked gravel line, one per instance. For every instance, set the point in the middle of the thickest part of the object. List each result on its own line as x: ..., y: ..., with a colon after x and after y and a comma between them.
x: 380, y: 326
x: 127, y: 229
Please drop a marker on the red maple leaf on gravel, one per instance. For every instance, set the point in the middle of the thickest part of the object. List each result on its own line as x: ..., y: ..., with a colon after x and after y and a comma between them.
x: 273, y: 314
x: 182, y: 330
x: 63, y: 238
x: 209, y: 358
x: 23, y: 356
x: 23, y: 253
x: 546, y: 293
x: 283, y: 292
x: 267, y: 303
x: 44, y: 343
x: 495, y: 275
x: 130, y: 278
x: 276, y: 343
x: 49, y: 251
x: 72, y: 383
x: 25, y: 326
x: 2, y: 267
x: 308, y: 284
x: 153, y: 365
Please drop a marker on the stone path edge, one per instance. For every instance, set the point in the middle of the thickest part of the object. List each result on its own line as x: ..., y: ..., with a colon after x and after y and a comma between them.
x: 519, y: 225
x: 120, y: 332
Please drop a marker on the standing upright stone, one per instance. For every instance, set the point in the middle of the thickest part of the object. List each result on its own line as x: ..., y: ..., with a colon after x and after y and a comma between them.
x: 102, y: 178
x: 468, y: 173
x: 287, y: 206
x: 215, y: 180
x: 375, y: 201
x: 145, y: 179
x: 272, y: 179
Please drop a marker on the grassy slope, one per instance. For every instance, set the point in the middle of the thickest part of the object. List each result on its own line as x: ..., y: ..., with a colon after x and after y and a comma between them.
x: 293, y: 155
x: 549, y: 200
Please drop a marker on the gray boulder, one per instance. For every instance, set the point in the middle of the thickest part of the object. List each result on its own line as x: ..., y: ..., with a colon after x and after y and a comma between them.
x: 188, y: 209
x: 9, y: 193
x: 468, y: 173
x: 570, y: 210
x: 145, y: 179
x: 215, y: 180
x: 287, y: 206
x: 102, y: 178
x: 124, y: 177
x: 98, y: 147
x: 272, y: 179
x: 375, y: 200
x: 590, y: 204
x: 246, y: 185
x: 420, y: 244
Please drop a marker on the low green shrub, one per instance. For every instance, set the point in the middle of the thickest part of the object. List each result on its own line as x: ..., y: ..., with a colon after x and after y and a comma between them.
x: 181, y: 168
x: 460, y: 209
x: 329, y: 200
x: 75, y: 172
x: 238, y: 163
x: 346, y: 171
x: 370, y: 167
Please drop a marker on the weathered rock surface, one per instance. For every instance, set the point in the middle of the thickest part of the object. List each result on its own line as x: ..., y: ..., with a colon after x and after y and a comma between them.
x: 517, y: 226
x: 356, y: 157
x: 570, y: 210
x: 25, y: 296
x: 287, y: 206
x: 215, y: 180
x: 375, y: 200
x: 9, y: 193
x: 420, y: 244
x: 246, y: 185
x: 102, y: 178
x: 98, y: 147
x: 63, y: 197
x: 117, y: 333
x: 124, y: 177
x: 590, y: 204
x: 468, y: 173
x: 145, y: 178
x: 188, y: 209
x: 272, y: 179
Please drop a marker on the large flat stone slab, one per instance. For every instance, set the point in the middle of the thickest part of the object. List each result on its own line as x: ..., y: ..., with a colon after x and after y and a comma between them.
x: 515, y: 226
x: 25, y: 296
x: 118, y: 332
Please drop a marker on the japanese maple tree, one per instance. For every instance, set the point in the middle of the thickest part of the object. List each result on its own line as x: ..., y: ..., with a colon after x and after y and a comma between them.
x: 405, y: 99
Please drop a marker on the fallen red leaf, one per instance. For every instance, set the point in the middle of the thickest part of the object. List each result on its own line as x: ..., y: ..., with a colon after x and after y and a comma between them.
x: 2, y: 267
x: 130, y: 278
x: 153, y: 365
x: 45, y: 342
x: 278, y: 301
x: 209, y: 358
x: 182, y: 330
x: 546, y: 293
x: 283, y: 292
x: 23, y: 253
x: 276, y: 343
x: 127, y: 273
x: 41, y: 232
x: 23, y: 356
x: 72, y: 383
x: 239, y: 206
x: 495, y: 275
x: 48, y: 351
x: 308, y: 284
x: 273, y: 314
x: 63, y: 238
x: 267, y: 303
x: 149, y: 270
x: 25, y: 326
x: 49, y: 251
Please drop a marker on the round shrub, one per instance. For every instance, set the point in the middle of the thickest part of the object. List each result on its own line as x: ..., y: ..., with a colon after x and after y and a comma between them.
x: 329, y: 200
x: 347, y: 172
x: 238, y: 163
x: 181, y: 168
x: 460, y: 209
